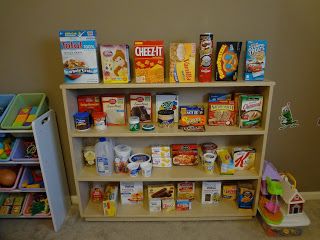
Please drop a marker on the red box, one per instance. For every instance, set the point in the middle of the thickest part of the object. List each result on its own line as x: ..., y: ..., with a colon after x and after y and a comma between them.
x: 89, y: 104
x: 221, y: 113
x: 184, y: 154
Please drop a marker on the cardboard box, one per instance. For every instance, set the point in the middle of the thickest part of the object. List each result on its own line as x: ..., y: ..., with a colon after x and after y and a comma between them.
x: 186, y: 190
x: 229, y: 192
x: 221, y: 113
x: 131, y: 192
x: 244, y: 158
x: 79, y: 56
x: 250, y: 110
x: 149, y: 61
x: 185, y: 154
x: 155, y: 205
x: 115, y: 63
x: 211, y: 192
x: 110, y: 200
x: 225, y: 161
x: 163, y: 191
x: 168, y: 102
x: 89, y: 103
x: 183, y: 205
x: 255, y: 59
x: 168, y: 205
x: 141, y: 106
x: 161, y: 161
x: 115, y: 108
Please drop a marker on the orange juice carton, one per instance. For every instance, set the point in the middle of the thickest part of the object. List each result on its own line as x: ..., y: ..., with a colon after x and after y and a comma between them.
x: 115, y: 63
x: 182, y: 62
x: 79, y: 56
x: 149, y: 61
x: 115, y: 108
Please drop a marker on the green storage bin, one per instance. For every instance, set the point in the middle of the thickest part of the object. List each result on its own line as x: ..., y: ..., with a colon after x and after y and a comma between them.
x: 24, y: 100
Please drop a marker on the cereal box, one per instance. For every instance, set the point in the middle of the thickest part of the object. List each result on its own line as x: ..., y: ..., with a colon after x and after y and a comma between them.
x: 243, y: 158
x: 149, y: 61
x: 115, y: 63
x: 216, y: 97
x: 221, y: 113
x: 168, y: 102
x: 229, y: 192
x: 211, y: 192
x: 227, y: 60
x: 90, y: 103
x: 182, y: 62
x: 141, y: 106
x: 79, y: 56
x: 131, y: 192
x: 186, y: 190
x: 250, y: 110
x: 114, y: 107
x: 185, y: 154
x: 255, y: 59
x: 163, y: 191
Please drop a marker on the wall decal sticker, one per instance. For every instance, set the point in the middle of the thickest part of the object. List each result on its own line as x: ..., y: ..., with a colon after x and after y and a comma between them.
x: 286, y: 118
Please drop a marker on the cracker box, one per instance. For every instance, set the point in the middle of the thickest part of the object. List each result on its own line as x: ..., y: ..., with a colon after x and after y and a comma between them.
x: 110, y: 200
x: 229, y: 192
x: 185, y: 154
x: 141, y: 106
x: 182, y: 62
x: 131, y: 192
x: 211, y: 192
x: 149, y: 61
x: 216, y: 97
x: 186, y: 190
x: 90, y: 103
x: 115, y: 108
x: 227, y: 60
x: 250, y: 111
x: 168, y: 205
x: 243, y: 158
x: 115, y: 63
x: 221, y: 113
x: 255, y: 59
x: 79, y: 56
x: 163, y: 191
x: 168, y: 102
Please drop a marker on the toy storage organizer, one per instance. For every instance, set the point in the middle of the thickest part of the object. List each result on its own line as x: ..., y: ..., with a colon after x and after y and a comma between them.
x: 50, y: 161
x: 189, y: 93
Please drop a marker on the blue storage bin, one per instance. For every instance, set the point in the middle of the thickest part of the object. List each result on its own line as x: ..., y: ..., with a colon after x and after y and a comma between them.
x: 5, y: 102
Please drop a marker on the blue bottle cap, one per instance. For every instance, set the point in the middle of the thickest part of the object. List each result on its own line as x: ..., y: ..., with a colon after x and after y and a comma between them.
x: 102, y: 139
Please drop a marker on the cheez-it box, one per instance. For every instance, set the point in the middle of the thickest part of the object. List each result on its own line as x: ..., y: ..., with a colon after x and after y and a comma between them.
x: 149, y: 61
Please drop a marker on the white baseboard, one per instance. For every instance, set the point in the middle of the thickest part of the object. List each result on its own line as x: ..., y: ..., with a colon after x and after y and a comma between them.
x: 310, y: 195
x: 74, y: 199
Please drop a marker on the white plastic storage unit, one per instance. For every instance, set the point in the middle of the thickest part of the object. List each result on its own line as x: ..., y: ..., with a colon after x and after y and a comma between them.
x: 45, y: 132
x: 189, y: 93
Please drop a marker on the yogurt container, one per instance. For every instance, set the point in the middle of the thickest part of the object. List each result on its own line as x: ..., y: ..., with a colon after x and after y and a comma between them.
x: 133, y: 169
x: 208, y: 162
x: 146, y: 168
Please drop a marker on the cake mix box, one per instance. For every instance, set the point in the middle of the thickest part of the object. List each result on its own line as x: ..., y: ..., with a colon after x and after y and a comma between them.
x: 89, y: 103
x: 115, y: 108
x: 227, y: 60
x: 149, y: 61
x: 79, y: 56
x: 182, y: 62
x: 141, y: 106
x: 115, y: 63
x: 168, y: 102
x: 255, y: 59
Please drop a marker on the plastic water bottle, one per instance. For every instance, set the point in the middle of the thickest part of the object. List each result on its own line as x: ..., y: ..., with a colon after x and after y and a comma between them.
x: 104, y: 156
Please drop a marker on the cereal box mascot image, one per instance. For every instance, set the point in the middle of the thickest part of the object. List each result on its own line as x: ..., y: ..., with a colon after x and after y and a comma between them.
x: 121, y: 67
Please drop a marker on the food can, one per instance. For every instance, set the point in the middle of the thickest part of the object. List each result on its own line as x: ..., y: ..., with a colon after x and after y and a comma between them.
x: 99, y: 120
x: 134, y: 123
x: 165, y: 118
x: 206, y: 54
x: 82, y: 121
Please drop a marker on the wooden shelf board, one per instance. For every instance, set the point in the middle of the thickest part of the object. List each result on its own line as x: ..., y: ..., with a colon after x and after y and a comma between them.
x: 19, y: 163
x: 20, y: 191
x: 239, y: 83
x: 22, y: 216
x: 224, y: 210
x: 123, y: 131
x: 175, y: 173
x: 15, y: 131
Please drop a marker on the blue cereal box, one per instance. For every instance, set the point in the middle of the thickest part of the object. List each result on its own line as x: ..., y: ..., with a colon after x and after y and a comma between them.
x: 79, y: 56
x: 255, y: 59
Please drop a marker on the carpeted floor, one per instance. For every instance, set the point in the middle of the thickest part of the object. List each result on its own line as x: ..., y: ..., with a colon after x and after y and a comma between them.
x: 77, y: 229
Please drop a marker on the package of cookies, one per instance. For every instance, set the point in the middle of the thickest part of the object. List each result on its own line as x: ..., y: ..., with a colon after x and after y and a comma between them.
x: 115, y: 63
x: 227, y: 60
x: 255, y: 59
x: 141, y: 106
x: 182, y: 62
x: 149, y: 61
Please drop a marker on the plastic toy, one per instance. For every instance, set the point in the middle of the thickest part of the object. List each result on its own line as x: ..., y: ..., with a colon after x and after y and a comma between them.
x: 39, y: 204
x: 32, y: 116
x: 22, y: 116
x: 5, y: 147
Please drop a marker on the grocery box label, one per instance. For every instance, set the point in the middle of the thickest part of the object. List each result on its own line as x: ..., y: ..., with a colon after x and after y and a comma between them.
x: 141, y: 106
x: 250, y: 111
x: 114, y: 107
x: 168, y: 102
x: 255, y: 59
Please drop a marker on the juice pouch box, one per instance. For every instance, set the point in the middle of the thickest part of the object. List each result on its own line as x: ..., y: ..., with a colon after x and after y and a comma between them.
x: 182, y: 62
x: 227, y: 60
x: 168, y: 102
x: 79, y: 56
x: 149, y: 61
x: 255, y: 59
x: 250, y: 111
x: 115, y: 108
x: 141, y: 106
x: 115, y: 63
x: 221, y: 113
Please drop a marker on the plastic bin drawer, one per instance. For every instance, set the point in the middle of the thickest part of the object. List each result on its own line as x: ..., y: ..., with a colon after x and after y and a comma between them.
x: 5, y: 102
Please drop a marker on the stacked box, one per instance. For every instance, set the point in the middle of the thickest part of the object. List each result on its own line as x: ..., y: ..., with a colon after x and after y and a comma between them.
x: 110, y: 200
x: 161, y: 156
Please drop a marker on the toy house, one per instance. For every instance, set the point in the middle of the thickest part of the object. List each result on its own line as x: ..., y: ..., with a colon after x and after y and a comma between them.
x: 292, y: 200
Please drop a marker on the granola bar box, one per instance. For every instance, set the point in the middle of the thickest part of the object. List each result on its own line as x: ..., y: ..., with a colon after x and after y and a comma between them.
x: 149, y: 61
x: 221, y: 113
x: 79, y: 56
x: 141, y: 106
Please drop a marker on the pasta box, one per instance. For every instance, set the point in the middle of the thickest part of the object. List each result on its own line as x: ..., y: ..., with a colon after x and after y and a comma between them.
x: 250, y: 110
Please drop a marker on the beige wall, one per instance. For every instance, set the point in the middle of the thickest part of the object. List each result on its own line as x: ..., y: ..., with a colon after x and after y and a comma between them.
x: 30, y: 55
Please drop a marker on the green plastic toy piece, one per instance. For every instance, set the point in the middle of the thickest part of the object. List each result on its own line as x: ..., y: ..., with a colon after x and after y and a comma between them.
x: 274, y: 187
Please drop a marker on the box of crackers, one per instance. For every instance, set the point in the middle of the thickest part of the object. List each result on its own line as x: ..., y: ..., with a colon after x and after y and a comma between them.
x: 149, y: 61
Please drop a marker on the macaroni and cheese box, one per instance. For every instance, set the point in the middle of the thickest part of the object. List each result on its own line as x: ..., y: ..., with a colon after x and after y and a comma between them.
x: 149, y: 61
x: 168, y: 102
x: 182, y: 62
x: 79, y: 56
x: 115, y: 63
x: 255, y: 59
x: 227, y: 60
x: 115, y: 108
x: 141, y: 106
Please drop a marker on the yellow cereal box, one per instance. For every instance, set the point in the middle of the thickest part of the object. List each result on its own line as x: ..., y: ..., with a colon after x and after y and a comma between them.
x: 182, y: 62
x: 149, y: 61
